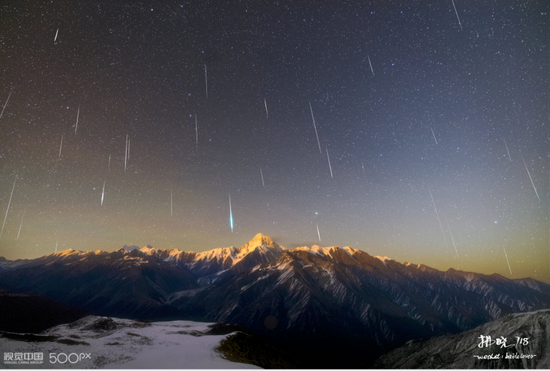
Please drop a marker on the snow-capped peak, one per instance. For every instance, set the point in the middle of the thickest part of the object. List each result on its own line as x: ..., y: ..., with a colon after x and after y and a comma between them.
x: 258, y: 241
x: 221, y: 254
x: 349, y: 250
x: 72, y: 252
x: 129, y: 248
x: 315, y: 249
x: 383, y: 259
x: 320, y: 250
x: 229, y: 256
x: 326, y: 251
x: 261, y: 243
x: 67, y: 252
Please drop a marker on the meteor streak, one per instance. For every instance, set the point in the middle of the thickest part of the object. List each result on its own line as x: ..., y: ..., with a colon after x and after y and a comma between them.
x: 452, y: 239
x: 77, y: 115
x: 126, y: 153
x: 438, y: 219
x: 528, y: 173
x: 55, y: 38
x: 262, y: 175
x: 230, y: 215
x: 318, y: 233
x: 329, y: 166
x: 370, y: 64
x: 5, y: 104
x: 20, y: 225
x: 8, y: 209
x: 434, y: 136
x: 315, y: 127
x: 457, y: 15
x: 60, y: 146
x: 103, y: 193
x: 506, y: 145
x: 506, y: 255
x: 266, y: 113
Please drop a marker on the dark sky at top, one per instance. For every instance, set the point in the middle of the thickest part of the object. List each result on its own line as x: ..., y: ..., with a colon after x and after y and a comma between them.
x: 439, y: 153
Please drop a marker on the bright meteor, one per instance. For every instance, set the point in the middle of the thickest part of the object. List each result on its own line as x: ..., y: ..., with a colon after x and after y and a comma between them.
x: 230, y: 215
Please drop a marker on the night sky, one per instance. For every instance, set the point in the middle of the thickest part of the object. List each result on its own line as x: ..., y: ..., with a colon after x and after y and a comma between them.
x: 439, y: 153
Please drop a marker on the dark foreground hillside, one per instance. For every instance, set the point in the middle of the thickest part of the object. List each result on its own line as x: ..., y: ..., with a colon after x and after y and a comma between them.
x: 31, y: 313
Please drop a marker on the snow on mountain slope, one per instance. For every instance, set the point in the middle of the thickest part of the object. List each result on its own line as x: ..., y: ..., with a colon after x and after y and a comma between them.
x: 262, y: 244
x: 130, y: 248
x: 335, y: 253
x: 212, y: 262
x: 383, y: 259
x: 119, y: 343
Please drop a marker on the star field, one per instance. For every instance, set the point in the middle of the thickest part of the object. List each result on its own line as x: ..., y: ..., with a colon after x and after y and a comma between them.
x: 458, y: 113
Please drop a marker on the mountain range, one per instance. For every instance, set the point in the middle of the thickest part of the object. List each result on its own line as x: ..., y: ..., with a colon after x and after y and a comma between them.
x: 333, y: 304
